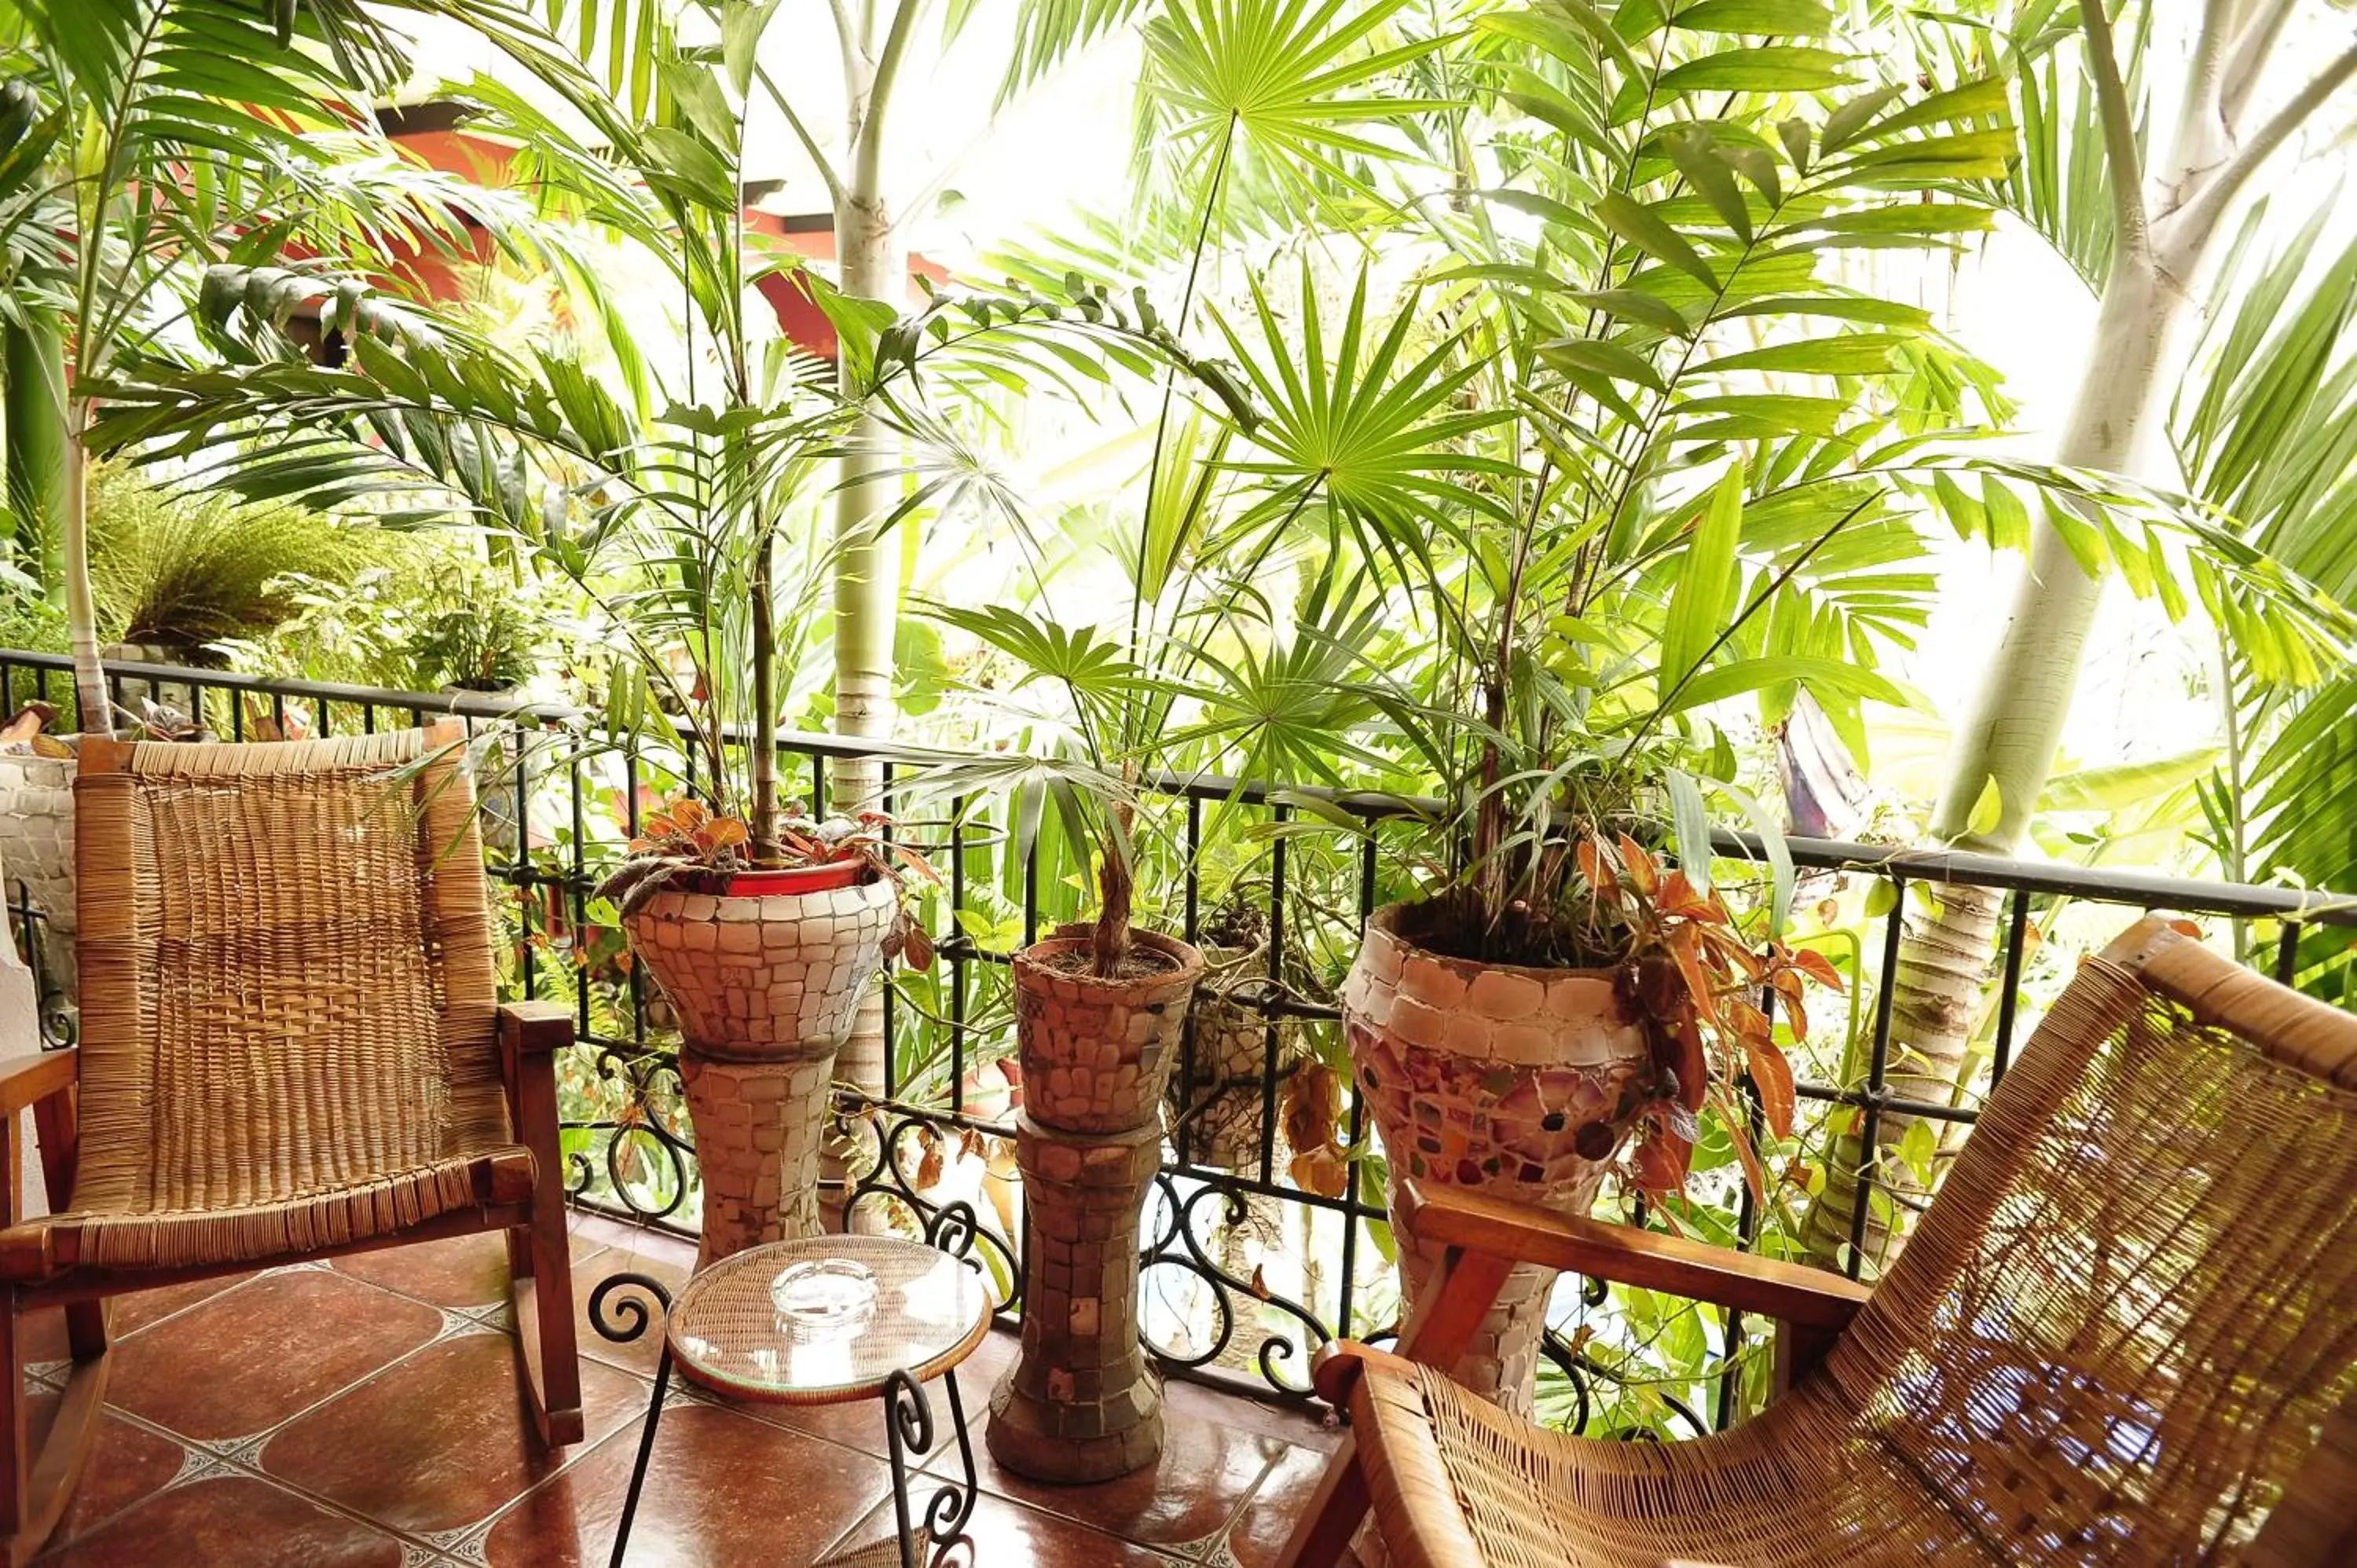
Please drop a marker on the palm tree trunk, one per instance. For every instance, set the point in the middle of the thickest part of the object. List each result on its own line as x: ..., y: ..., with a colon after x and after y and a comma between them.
x: 97, y: 710
x: 2008, y: 742
x: 867, y: 573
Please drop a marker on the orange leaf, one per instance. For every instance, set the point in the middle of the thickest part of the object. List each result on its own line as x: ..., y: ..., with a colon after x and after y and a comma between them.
x: 1771, y: 1074
x: 1817, y: 967
x: 726, y: 831
x: 1694, y: 1066
x: 1659, y: 1163
x: 1682, y: 947
x: 660, y: 826
x: 1642, y: 869
x: 1591, y: 855
x: 689, y: 812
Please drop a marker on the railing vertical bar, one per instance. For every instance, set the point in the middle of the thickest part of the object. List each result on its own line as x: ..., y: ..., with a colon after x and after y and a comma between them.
x: 1342, y: 1325
x: 519, y: 861
x: 2287, y: 953
x: 631, y: 828
x: 891, y: 993
x: 1031, y: 892
x: 580, y: 880
x: 957, y: 958
x: 1184, y: 1140
x: 1870, y: 1153
x: 2016, y: 944
x: 1273, y: 1037
x: 367, y: 718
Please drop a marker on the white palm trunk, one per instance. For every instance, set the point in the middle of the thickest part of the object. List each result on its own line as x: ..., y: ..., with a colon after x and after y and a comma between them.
x: 2165, y: 224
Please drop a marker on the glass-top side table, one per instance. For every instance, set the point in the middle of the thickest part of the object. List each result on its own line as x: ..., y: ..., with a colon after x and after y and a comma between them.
x: 825, y: 1320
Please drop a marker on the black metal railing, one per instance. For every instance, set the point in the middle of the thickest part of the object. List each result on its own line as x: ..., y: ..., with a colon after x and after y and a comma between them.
x: 1252, y: 1307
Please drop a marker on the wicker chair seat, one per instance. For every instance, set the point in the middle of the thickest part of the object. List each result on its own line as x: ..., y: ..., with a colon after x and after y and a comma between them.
x: 1514, y: 1496
x: 296, y: 1226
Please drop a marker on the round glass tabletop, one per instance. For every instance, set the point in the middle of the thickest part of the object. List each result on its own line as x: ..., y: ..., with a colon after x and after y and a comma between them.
x: 826, y: 1319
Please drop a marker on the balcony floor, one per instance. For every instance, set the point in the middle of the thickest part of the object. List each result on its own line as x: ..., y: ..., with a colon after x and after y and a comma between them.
x: 367, y: 1413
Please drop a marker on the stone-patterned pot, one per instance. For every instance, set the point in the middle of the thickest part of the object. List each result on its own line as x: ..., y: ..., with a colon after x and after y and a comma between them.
x: 1482, y: 1075
x: 1080, y: 1404
x: 37, y: 844
x: 1096, y: 1054
x: 1218, y: 1094
x: 765, y: 989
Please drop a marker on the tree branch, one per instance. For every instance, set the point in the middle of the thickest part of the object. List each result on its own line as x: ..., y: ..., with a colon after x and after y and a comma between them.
x: 2191, y: 225
x: 801, y: 133
x: 2133, y: 235
x: 2202, y: 134
x: 869, y: 155
x: 2247, y: 61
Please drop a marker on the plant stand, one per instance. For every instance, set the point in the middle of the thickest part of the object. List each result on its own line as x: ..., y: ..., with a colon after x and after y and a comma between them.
x: 765, y: 988
x: 1080, y: 1404
x: 759, y: 1123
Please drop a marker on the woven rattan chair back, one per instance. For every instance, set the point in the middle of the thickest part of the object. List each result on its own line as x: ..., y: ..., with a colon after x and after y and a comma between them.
x: 286, y: 991
x: 2133, y: 1310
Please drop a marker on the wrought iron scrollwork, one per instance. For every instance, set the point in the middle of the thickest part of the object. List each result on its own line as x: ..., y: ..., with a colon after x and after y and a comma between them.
x: 910, y: 1417
x: 953, y: 1226
x: 631, y: 1317
x: 1176, y: 1246
x: 639, y: 1072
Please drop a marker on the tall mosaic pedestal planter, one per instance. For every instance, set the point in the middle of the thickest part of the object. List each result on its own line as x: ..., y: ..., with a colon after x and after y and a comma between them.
x: 765, y: 988
x: 1080, y: 1404
x: 1484, y: 1076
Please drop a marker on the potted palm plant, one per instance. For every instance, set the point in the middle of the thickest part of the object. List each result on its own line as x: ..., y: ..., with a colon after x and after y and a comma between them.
x: 764, y: 966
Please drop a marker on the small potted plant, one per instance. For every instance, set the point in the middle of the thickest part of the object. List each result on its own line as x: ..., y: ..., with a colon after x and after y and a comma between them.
x: 764, y: 966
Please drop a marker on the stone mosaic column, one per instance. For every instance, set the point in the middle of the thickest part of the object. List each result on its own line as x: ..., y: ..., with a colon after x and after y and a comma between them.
x: 1484, y: 1076
x: 1079, y: 1403
x: 765, y: 989
x: 37, y: 833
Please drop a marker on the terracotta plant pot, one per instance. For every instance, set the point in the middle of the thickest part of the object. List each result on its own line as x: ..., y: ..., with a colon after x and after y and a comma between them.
x: 1097, y: 1053
x: 1482, y: 1075
x: 1080, y: 1404
x: 765, y: 986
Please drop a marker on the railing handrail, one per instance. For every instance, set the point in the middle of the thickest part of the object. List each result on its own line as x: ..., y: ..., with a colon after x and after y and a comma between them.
x: 2151, y: 889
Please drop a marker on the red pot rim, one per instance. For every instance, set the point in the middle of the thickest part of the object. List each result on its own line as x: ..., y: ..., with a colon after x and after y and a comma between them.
x: 799, y: 878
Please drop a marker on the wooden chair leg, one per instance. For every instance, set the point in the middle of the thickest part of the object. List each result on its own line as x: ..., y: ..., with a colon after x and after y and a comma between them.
x: 1322, y: 1531
x: 35, y: 1488
x: 544, y: 1287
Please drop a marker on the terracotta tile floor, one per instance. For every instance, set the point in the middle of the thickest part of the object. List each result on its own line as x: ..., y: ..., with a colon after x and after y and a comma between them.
x: 368, y: 1412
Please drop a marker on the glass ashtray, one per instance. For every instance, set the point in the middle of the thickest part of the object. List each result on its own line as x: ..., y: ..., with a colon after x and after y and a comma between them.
x: 827, y: 1297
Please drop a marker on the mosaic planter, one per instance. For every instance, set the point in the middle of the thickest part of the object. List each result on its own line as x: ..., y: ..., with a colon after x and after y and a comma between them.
x: 1219, y: 1094
x: 36, y: 842
x: 1482, y: 1075
x: 765, y: 989
x: 1096, y: 1054
x: 1080, y: 1404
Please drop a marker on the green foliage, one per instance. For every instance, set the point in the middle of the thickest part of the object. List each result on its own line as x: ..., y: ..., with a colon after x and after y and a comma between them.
x: 182, y: 570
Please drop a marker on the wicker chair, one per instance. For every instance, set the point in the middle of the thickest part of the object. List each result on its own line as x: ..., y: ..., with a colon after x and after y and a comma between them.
x: 290, y: 1050
x: 2125, y: 1333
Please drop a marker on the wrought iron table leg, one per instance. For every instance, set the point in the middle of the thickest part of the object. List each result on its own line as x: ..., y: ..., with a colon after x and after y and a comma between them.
x: 908, y: 1431
x: 633, y: 1318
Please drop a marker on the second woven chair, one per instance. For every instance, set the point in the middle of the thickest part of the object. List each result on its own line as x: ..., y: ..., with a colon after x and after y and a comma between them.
x: 290, y: 1050
x: 2125, y: 1334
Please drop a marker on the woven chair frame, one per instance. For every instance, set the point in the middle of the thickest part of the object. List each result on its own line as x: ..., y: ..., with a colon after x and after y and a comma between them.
x: 2125, y: 1334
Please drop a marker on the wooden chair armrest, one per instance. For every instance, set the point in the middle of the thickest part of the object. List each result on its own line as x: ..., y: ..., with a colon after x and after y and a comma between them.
x: 536, y: 1028
x: 1805, y: 1297
x: 28, y: 1079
